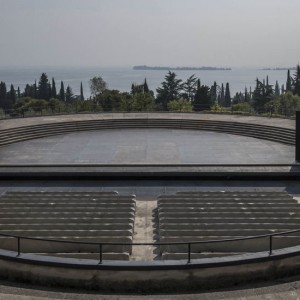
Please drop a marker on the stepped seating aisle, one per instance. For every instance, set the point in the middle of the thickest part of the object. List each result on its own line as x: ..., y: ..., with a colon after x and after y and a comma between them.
x: 201, y: 216
x: 100, y: 217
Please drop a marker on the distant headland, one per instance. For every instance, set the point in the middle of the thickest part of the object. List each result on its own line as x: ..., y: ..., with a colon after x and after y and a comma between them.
x: 278, y: 69
x: 144, y: 67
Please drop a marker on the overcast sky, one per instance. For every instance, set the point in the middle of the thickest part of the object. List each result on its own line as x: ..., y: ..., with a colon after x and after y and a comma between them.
x: 227, y: 33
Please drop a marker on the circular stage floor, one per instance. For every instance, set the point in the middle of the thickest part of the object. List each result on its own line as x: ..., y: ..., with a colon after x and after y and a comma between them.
x: 147, y: 146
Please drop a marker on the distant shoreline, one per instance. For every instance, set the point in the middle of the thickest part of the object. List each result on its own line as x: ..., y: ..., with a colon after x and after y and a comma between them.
x: 278, y: 69
x: 144, y: 67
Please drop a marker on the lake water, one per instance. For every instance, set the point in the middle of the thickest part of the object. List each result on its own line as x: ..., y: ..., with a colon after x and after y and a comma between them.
x: 121, y: 78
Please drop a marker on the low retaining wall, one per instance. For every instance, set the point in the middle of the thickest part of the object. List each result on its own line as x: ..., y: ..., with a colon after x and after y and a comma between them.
x: 157, y: 276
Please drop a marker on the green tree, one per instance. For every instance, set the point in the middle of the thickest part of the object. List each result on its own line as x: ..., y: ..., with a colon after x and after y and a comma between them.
x: 110, y: 100
x: 214, y: 92
x: 146, y: 88
x: 180, y: 105
x: 143, y: 102
x: 97, y: 86
x: 53, y: 89
x: 43, y: 90
x: 277, y: 89
x: 296, y: 81
x: 222, y: 96
x: 69, y: 94
x: 81, y: 92
x: 288, y: 82
x: 2, y: 95
x: 289, y: 104
x: 170, y: 90
x: 12, y: 95
x: 262, y: 94
x: 227, y: 98
x: 190, y: 87
x: 62, y: 92
x: 202, y: 100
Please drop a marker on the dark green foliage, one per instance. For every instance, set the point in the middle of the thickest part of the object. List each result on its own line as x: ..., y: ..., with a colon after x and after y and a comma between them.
x: 262, y: 94
x: 296, y: 82
x: 110, y: 100
x: 53, y: 89
x: 222, y: 96
x: 62, y: 92
x: 43, y: 90
x: 81, y: 92
x: 277, y: 89
x: 2, y: 95
x: 202, y: 99
x: 246, y: 97
x: 288, y: 82
x: 214, y: 92
x: 170, y: 90
x: 189, y: 87
x: 69, y: 94
x: 19, y: 93
x: 146, y: 88
x: 12, y: 95
x: 227, y: 98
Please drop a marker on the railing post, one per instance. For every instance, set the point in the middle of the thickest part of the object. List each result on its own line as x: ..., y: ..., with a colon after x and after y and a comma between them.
x: 189, y: 253
x: 271, y: 246
x: 100, y: 254
x: 19, y: 246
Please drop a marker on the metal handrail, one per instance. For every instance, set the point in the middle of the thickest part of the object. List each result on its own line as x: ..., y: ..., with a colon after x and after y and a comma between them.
x: 189, y: 244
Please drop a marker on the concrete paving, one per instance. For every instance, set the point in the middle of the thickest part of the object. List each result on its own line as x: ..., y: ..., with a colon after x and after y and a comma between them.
x: 147, y: 146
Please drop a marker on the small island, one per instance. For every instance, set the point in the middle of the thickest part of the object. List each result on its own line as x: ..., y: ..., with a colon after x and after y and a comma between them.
x: 144, y: 67
x: 278, y: 69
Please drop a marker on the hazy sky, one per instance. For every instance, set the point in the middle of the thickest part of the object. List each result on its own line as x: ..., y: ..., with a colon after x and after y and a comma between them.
x: 153, y: 32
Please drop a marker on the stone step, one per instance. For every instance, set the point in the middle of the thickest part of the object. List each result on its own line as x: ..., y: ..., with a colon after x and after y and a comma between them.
x: 66, y: 226
x: 199, y: 226
x: 250, y: 220
x: 39, y: 246
x: 218, y: 232
x: 252, y: 245
x: 94, y: 256
x: 228, y: 204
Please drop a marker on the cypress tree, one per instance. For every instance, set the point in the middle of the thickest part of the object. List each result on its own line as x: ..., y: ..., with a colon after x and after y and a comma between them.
x: 246, y: 95
x: 35, y: 93
x: 12, y: 96
x: 277, y: 90
x: 49, y: 91
x: 43, y: 87
x: 282, y: 89
x: 213, y: 92
x: 81, y: 92
x: 146, y: 88
x: 53, y: 90
x: 288, y: 87
x: 19, y: 93
x: 62, y: 91
x: 296, y: 82
x: 227, y: 102
x: 2, y: 94
x: 222, y: 96
x: 69, y: 94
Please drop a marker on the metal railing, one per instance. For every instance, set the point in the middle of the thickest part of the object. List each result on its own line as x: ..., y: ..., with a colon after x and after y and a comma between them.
x: 188, y: 244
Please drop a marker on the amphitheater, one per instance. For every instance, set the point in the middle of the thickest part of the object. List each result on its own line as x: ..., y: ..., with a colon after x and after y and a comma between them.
x: 149, y: 203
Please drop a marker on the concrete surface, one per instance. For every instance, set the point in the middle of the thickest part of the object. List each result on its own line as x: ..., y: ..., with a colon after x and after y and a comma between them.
x: 147, y: 146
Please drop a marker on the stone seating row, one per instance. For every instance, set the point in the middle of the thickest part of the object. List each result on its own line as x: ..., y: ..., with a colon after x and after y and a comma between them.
x: 92, y: 217
x: 282, y: 135
x: 207, y: 216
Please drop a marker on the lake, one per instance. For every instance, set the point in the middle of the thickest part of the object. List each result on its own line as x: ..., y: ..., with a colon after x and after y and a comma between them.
x: 121, y: 78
